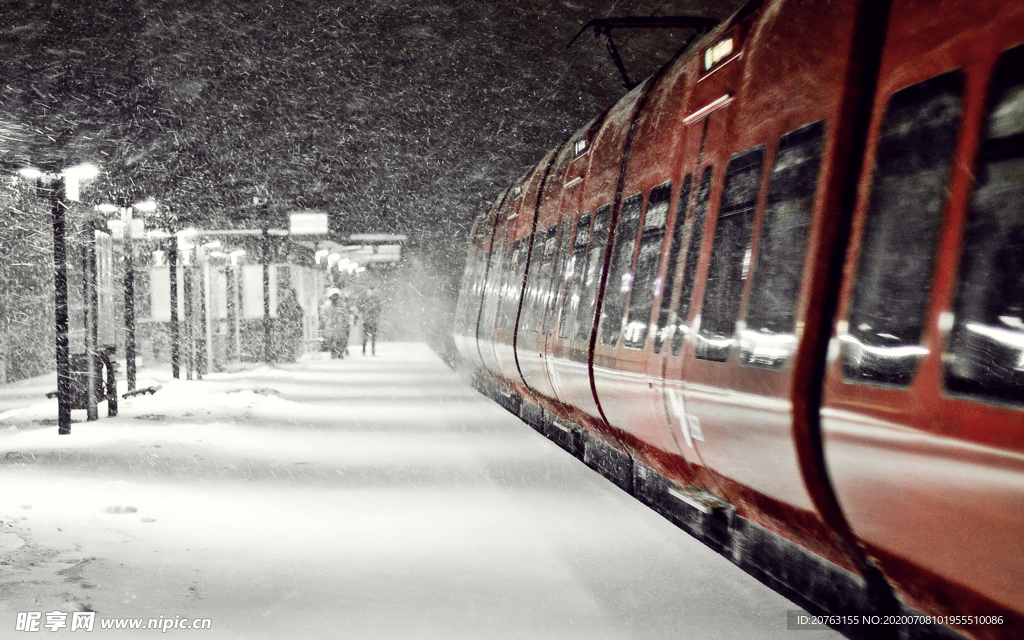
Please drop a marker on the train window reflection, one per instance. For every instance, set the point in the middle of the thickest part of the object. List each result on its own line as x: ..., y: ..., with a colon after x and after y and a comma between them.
x: 619, y: 274
x: 768, y: 339
x: 538, y: 297
x: 985, y: 354
x: 529, y: 302
x: 573, y: 271
x: 492, y: 288
x: 894, y: 276
x: 682, y: 327
x: 664, y: 326
x: 557, y: 275
x: 513, y: 284
x: 729, y: 254
x: 646, y: 284
x: 595, y: 256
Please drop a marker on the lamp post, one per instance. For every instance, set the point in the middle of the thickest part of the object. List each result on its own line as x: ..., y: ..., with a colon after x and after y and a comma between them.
x: 58, y: 206
x: 234, y: 344
x: 59, y: 187
x: 172, y: 267
x: 129, y: 287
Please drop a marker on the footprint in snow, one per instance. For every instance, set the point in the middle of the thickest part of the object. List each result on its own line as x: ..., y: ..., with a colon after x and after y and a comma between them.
x: 120, y: 509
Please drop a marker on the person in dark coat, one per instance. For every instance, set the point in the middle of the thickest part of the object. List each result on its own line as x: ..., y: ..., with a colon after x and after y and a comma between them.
x: 334, y: 321
x: 288, y: 327
x: 369, y: 311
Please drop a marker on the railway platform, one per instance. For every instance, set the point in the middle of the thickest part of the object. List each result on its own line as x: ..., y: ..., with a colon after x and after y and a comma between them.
x: 370, y: 497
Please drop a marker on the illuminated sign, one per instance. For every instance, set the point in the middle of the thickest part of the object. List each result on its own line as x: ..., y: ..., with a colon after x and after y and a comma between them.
x: 717, y: 52
x: 307, y: 223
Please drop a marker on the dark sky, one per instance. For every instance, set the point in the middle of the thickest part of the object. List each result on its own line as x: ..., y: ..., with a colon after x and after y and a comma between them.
x: 392, y: 116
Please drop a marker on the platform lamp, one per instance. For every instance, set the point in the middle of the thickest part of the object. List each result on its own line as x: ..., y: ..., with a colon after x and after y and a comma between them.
x: 126, y: 211
x: 60, y: 187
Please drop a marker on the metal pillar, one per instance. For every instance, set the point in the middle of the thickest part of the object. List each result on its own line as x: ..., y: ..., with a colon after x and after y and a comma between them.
x: 268, y: 354
x: 186, y: 281
x: 203, y: 341
x: 231, y: 348
x: 129, y: 297
x: 172, y: 263
x: 92, y: 305
x: 58, y: 207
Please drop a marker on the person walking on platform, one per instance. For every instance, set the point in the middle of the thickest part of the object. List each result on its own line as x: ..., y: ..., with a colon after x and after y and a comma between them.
x: 369, y: 311
x: 335, y: 323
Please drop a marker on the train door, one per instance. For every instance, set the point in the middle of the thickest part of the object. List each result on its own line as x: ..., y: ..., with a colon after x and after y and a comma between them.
x: 497, y: 273
x: 623, y: 384
x: 530, y: 340
x: 558, y: 360
x: 562, y: 269
x: 471, y: 295
x: 744, y: 307
x: 686, y: 431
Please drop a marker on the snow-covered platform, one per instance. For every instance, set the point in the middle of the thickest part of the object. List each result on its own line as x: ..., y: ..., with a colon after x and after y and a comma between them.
x: 371, y: 497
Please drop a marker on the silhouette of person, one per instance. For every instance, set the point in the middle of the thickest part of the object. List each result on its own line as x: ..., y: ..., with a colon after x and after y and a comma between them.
x: 369, y: 311
x: 334, y: 320
x: 289, y: 326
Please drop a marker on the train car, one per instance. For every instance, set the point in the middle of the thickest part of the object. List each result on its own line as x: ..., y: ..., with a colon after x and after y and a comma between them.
x: 777, y: 293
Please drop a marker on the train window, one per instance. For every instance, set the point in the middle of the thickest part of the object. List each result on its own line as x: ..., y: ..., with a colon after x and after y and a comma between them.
x: 883, y: 343
x: 557, y: 275
x: 573, y: 270
x: 514, y: 285
x: 663, y: 326
x: 530, y: 291
x: 646, y: 284
x: 690, y: 266
x: 730, y: 255
x: 550, y: 246
x: 768, y: 338
x: 502, y: 311
x: 579, y: 147
x: 718, y: 52
x: 620, y: 277
x: 542, y: 279
x: 491, y: 287
x: 985, y: 354
x: 592, y: 275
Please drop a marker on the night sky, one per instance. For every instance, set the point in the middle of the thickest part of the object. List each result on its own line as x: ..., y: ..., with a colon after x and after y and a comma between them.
x: 392, y: 116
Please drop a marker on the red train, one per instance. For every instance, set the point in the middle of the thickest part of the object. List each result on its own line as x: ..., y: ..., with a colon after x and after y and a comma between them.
x: 777, y: 293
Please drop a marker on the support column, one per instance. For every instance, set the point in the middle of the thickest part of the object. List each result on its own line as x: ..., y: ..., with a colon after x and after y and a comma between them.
x: 203, y: 341
x: 91, y: 298
x: 231, y: 349
x: 129, y: 297
x: 172, y: 263
x: 268, y: 354
x: 58, y: 210
x: 186, y: 281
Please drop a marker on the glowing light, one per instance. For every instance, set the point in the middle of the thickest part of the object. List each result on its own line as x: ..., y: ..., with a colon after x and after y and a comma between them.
x: 717, y: 52
x: 82, y: 172
x: 30, y: 173
x: 902, y: 351
x: 146, y: 205
x: 106, y: 207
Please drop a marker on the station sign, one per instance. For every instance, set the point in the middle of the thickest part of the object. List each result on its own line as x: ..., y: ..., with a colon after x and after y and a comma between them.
x: 307, y: 223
